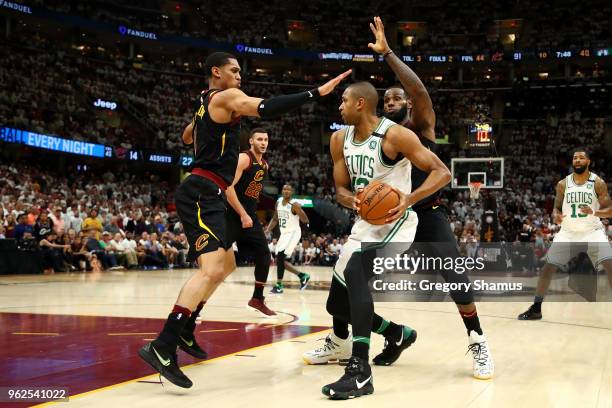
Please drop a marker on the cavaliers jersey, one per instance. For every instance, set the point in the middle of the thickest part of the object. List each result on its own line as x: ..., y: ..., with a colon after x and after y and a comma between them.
x: 575, y: 197
x: 250, y: 185
x: 419, y: 176
x: 287, y: 220
x: 216, y: 145
x: 366, y: 160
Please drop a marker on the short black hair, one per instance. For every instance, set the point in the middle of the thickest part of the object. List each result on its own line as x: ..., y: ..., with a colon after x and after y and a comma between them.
x: 582, y: 150
x: 257, y: 130
x: 367, y: 91
x: 217, y: 59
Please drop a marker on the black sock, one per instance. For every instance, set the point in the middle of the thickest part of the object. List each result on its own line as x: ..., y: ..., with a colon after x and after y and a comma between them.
x: 258, y: 290
x: 388, y: 329
x: 361, y: 347
x: 280, y: 266
x: 537, y: 304
x: 262, y: 268
x: 168, y: 338
x: 471, y: 321
x: 191, y: 323
x: 341, y: 328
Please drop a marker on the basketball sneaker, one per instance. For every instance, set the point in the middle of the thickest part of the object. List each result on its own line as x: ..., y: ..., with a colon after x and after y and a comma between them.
x: 533, y: 313
x: 260, y: 307
x: 277, y: 289
x: 304, y: 279
x: 483, y: 360
x: 393, y: 349
x: 356, y: 381
x: 334, y: 349
x: 188, y: 344
x: 165, y: 364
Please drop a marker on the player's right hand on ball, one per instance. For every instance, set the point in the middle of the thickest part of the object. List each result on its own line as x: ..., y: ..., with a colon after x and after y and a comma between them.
x: 330, y: 85
x: 356, y: 204
x: 246, y: 221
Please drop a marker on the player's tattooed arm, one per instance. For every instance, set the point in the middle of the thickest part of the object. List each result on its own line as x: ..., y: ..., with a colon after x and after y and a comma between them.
x: 296, y: 208
x: 423, y: 117
x: 344, y: 195
x: 557, y: 213
x: 605, y: 204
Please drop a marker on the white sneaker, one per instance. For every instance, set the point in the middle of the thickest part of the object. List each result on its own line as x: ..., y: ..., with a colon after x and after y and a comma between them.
x: 481, y: 353
x: 335, y: 349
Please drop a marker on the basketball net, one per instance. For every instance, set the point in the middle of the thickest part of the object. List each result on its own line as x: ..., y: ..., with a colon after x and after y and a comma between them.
x: 475, y: 190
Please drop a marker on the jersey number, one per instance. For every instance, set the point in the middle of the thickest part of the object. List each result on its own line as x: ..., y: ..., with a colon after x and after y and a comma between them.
x: 282, y: 222
x: 575, y: 213
x: 253, y: 190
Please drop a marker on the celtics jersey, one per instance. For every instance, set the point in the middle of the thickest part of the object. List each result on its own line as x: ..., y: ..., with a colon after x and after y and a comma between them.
x: 575, y: 197
x: 366, y: 160
x: 287, y: 220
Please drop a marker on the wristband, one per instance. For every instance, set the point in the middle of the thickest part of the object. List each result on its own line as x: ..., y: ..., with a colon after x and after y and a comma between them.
x: 387, y: 53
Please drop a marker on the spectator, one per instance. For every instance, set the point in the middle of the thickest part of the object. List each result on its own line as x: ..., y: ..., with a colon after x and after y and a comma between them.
x: 92, y: 223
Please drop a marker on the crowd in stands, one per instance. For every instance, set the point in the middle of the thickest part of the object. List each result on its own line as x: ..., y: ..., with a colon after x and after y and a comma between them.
x: 451, y: 26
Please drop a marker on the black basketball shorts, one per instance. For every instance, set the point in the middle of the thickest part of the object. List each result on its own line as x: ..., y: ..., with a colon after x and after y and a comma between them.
x: 202, y: 206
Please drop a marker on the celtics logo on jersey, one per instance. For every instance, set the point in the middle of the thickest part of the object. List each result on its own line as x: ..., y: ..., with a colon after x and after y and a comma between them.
x: 373, y: 144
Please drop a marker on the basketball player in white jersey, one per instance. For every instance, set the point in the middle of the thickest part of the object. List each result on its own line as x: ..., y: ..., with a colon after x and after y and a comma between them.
x: 288, y: 215
x: 373, y: 149
x: 577, y: 209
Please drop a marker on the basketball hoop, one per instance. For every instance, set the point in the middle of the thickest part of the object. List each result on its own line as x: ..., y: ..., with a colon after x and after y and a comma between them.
x: 475, y: 189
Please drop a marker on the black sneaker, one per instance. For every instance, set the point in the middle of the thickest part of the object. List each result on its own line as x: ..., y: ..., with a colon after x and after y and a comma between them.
x: 188, y: 344
x: 531, y: 314
x: 394, y: 349
x: 164, y: 363
x: 356, y: 381
x: 304, y: 279
x: 277, y: 289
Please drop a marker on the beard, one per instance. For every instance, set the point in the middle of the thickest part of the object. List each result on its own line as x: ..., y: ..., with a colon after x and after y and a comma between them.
x: 579, y: 169
x: 397, y: 116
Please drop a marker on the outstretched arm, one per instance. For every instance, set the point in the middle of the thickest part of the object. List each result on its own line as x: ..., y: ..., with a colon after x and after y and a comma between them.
x: 423, y: 117
x: 231, y: 103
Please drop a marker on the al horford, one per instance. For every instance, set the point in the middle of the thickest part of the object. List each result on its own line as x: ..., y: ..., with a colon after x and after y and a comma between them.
x: 446, y: 287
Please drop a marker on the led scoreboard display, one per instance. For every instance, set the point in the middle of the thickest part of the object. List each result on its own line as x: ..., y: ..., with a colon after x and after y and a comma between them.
x: 480, y: 136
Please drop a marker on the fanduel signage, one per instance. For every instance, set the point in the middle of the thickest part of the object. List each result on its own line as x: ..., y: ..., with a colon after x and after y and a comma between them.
x: 254, y: 50
x: 16, y: 6
x: 123, y: 30
x: 48, y: 142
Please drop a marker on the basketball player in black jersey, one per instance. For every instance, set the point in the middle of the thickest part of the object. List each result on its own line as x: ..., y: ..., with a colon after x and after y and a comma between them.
x: 410, y: 105
x: 243, y: 225
x: 201, y: 202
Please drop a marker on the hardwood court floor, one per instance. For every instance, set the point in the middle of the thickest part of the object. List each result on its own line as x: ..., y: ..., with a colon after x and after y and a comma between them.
x: 82, y: 330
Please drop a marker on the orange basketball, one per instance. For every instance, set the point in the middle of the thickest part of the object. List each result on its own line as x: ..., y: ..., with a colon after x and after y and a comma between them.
x: 376, y: 201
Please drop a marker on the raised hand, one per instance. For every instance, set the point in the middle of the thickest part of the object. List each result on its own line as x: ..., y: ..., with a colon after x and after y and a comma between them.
x: 330, y: 85
x: 378, y: 29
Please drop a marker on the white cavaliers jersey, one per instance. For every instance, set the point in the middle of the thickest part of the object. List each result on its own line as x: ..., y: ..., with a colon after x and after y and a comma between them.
x: 287, y: 220
x: 366, y: 161
x: 575, y: 197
